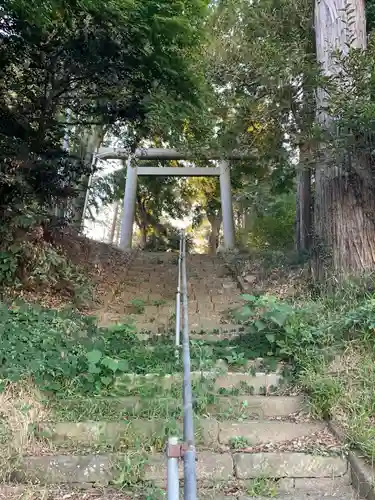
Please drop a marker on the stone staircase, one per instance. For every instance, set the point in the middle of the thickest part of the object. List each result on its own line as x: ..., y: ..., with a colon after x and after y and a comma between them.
x: 254, y: 438
x: 148, y: 294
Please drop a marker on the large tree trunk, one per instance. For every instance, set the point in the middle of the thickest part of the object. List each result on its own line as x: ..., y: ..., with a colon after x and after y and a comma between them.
x: 213, y: 239
x: 89, y: 145
x: 143, y: 242
x: 303, y: 212
x: 344, y: 202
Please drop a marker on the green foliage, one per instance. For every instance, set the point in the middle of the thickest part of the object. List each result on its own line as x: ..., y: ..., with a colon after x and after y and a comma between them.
x: 310, y: 335
x: 239, y: 442
x: 60, y: 351
x: 28, y: 261
x: 273, y: 227
x: 325, y: 392
x: 139, y: 305
x: 262, y: 487
x: 109, y: 64
x: 277, y: 328
x: 66, y: 353
x: 308, y: 331
x: 8, y: 268
x: 252, y: 43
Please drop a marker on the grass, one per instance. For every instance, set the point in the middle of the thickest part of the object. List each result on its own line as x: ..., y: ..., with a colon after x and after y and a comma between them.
x: 262, y: 487
x: 239, y: 443
x: 150, y: 401
x: 345, y: 394
x: 330, y: 342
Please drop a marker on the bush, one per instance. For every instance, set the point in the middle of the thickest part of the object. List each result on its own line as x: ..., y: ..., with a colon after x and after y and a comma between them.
x: 64, y: 352
x: 331, y: 344
x: 59, y: 349
x: 27, y: 260
x: 274, y: 228
x: 312, y: 330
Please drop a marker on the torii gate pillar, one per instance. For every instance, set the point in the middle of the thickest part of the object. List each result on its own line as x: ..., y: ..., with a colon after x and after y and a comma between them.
x: 227, y: 206
x: 126, y: 237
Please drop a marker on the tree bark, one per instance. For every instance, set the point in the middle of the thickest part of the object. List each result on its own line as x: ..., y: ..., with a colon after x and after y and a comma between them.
x: 89, y: 145
x: 213, y: 239
x: 344, y: 239
x: 143, y: 241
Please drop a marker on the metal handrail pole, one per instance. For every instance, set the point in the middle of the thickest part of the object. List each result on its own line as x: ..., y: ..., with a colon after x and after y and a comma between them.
x: 178, y: 299
x: 173, y: 481
x: 190, y: 478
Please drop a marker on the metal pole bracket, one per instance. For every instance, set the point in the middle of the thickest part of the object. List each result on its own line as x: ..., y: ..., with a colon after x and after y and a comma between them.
x: 178, y: 450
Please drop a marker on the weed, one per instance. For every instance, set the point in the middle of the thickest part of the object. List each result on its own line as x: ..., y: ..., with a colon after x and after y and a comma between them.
x: 239, y: 443
x: 129, y: 470
x: 138, y: 305
x: 159, y: 302
x: 262, y: 487
x: 325, y: 392
x: 309, y: 335
x: 237, y: 359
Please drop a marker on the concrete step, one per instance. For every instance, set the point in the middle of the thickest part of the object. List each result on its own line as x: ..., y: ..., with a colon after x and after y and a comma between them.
x: 284, y: 489
x: 219, y: 407
x: 288, y: 464
x: 211, y: 467
x: 260, y: 383
x: 218, y: 334
x: 350, y: 495
x: 210, y: 433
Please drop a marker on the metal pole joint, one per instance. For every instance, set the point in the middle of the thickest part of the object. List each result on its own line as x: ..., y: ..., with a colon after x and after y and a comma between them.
x: 179, y: 450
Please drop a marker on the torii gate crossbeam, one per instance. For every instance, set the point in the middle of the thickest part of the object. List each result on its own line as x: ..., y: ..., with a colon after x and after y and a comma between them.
x: 133, y: 171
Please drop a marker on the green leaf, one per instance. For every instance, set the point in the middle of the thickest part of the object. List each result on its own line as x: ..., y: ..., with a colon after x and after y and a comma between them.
x: 110, y: 363
x: 278, y: 317
x: 94, y: 369
x: 94, y: 356
x: 260, y: 325
x: 123, y: 365
x: 106, y: 380
x: 271, y: 337
x: 244, y: 312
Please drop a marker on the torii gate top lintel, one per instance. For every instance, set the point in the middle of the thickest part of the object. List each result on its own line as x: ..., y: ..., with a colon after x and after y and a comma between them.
x: 164, y: 154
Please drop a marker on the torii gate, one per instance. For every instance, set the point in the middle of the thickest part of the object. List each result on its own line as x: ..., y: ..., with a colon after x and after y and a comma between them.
x: 133, y: 171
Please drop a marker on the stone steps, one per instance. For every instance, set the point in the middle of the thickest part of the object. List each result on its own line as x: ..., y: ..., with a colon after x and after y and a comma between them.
x: 230, y: 452
x: 212, y: 467
x: 256, y: 384
x: 210, y: 433
x: 291, y: 489
x: 224, y: 332
x: 219, y: 462
x: 152, y: 278
x: 218, y: 407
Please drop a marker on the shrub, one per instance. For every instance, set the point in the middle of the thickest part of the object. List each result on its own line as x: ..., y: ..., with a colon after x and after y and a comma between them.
x: 274, y: 227
x: 59, y: 349
x: 27, y: 260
